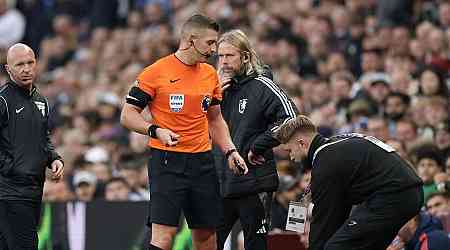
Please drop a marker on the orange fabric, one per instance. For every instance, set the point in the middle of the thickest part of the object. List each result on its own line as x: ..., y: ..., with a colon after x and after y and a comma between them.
x: 180, y: 96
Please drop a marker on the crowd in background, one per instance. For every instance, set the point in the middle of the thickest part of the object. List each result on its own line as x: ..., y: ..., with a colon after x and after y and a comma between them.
x: 375, y: 67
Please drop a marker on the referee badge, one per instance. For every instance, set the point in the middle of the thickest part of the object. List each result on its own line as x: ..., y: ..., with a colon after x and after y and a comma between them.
x: 176, y: 102
x: 205, y: 103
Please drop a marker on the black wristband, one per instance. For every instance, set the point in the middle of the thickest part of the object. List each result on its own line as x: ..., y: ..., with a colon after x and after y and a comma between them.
x: 151, y: 131
x: 229, y: 152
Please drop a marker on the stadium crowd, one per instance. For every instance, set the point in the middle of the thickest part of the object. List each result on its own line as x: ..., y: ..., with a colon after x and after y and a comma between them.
x: 374, y: 67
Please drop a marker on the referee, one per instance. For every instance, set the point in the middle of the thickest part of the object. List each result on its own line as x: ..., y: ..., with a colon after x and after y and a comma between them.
x: 183, y: 95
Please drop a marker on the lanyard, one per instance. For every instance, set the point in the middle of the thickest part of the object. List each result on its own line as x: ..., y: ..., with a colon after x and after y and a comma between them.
x: 305, y: 193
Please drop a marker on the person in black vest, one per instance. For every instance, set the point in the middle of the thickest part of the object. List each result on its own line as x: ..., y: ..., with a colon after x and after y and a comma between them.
x: 252, y: 106
x: 25, y: 151
x: 349, y: 170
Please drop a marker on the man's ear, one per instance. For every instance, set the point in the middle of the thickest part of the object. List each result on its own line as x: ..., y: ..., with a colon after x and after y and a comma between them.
x: 7, y: 68
x: 245, y: 57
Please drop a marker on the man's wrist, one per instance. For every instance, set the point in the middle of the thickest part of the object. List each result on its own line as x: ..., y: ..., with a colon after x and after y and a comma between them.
x: 151, y: 131
x: 229, y: 152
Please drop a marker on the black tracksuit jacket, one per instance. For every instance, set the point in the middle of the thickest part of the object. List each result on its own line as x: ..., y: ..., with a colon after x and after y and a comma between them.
x: 25, y: 146
x: 253, y: 107
x: 349, y: 170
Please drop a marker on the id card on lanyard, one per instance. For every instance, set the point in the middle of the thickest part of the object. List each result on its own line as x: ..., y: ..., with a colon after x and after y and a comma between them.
x: 297, y: 213
x: 297, y: 216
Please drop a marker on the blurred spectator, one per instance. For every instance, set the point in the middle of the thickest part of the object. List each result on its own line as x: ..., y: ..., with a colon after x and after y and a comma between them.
x: 438, y: 205
x: 406, y: 132
x: 447, y: 163
x: 423, y: 232
x: 432, y: 83
x: 287, y: 191
x: 442, y: 137
x: 444, y: 15
x: 378, y: 127
x: 394, y: 12
x: 396, y: 106
x: 399, y: 147
x: 357, y: 116
x: 117, y: 189
x: 12, y: 25
x: 429, y: 164
x: 85, y: 185
x: 129, y: 168
x: 104, y: 13
x: 378, y: 90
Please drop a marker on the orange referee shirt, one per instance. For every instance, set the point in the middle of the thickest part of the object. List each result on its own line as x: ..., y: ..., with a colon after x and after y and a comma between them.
x: 181, y: 95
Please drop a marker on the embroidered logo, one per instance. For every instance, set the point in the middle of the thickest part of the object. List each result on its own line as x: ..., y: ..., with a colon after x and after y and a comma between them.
x: 242, y: 105
x: 205, y: 103
x: 19, y: 110
x: 176, y: 102
x: 41, y: 107
x: 174, y: 80
x: 352, y: 223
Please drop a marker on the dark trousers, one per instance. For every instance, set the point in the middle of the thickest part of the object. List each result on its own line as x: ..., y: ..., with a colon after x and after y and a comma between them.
x: 374, y: 224
x: 251, y: 213
x: 18, y: 225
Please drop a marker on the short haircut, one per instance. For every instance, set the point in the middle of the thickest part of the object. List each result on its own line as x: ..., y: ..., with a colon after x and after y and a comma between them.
x: 198, y: 21
x: 403, y: 97
x: 430, y: 151
x: 443, y: 194
x: 118, y: 179
x: 344, y: 76
x: 300, y: 124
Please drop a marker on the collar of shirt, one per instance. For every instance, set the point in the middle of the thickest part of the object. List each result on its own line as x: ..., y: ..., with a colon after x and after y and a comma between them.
x: 24, y: 91
x: 317, y: 141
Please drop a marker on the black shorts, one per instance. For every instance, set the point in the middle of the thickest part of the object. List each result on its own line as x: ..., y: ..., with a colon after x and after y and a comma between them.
x: 374, y: 224
x: 18, y: 224
x: 183, y: 182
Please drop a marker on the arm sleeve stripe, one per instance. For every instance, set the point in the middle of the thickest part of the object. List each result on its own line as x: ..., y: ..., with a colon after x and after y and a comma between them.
x: 287, y: 105
x: 48, y: 107
x: 6, y: 103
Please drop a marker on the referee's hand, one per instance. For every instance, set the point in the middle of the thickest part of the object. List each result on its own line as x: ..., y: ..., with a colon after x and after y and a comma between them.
x: 57, y: 170
x: 237, y: 164
x: 167, y: 137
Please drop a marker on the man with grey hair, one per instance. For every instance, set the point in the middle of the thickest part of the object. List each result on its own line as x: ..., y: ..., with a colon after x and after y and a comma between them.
x: 25, y: 151
x: 349, y: 170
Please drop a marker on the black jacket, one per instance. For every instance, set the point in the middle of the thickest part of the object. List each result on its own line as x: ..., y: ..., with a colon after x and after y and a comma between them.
x: 253, y: 107
x: 25, y: 147
x: 349, y: 170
